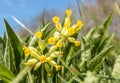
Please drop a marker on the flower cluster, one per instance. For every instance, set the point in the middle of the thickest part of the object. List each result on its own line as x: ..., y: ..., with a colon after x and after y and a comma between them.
x: 37, y: 57
x: 64, y: 33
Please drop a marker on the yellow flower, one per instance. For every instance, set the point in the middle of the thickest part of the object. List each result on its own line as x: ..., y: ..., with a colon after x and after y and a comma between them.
x: 41, y: 44
x: 34, y: 52
x: 31, y: 62
x: 74, y: 26
x: 26, y: 51
x: 51, y: 40
x: 56, y: 19
x: 38, y: 34
x: 71, y: 31
x: 43, y: 58
x: 77, y: 43
x: 49, y: 59
x: 67, y: 22
x: 56, y: 35
x: 79, y: 23
x: 53, y: 63
x: 59, y: 44
x: 64, y: 32
x: 37, y: 65
x: 58, y: 67
x: 56, y: 54
x: 71, y: 39
x: 53, y: 48
x: 58, y: 26
x: 68, y: 12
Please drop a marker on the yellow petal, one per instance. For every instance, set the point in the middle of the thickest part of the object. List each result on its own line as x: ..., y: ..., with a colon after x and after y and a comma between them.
x: 43, y: 58
x: 68, y: 12
x: 51, y: 40
x: 77, y: 43
x: 71, y: 31
x: 58, y: 67
x: 79, y: 23
x: 56, y: 19
x: 38, y: 34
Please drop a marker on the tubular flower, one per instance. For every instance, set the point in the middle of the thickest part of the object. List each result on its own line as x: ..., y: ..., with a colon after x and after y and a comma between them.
x: 43, y: 58
x: 77, y: 43
x: 56, y: 54
x: 41, y: 44
x: 34, y: 52
x: 38, y: 34
x: 37, y: 65
x: 67, y: 22
x: 51, y: 40
x: 59, y: 27
x: 31, y: 62
x: 59, y: 44
x: 58, y: 67
x: 71, y: 31
x: 53, y: 48
x: 49, y: 59
x: 26, y: 51
x: 71, y: 39
x: 68, y: 12
x: 64, y: 32
x: 59, y: 39
x: 56, y: 19
x: 56, y: 35
x: 79, y: 23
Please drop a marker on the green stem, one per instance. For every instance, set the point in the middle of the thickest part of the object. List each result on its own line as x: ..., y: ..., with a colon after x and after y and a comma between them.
x: 43, y: 81
x: 22, y: 74
x: 30, y: 77
x: 63, y: 69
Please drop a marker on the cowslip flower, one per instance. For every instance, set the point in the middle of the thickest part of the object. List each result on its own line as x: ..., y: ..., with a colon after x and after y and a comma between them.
x: 79, y: 23
x: 56, y: 19
x: 59, y: 27
x: 68, y: 12
x: 51, y: 40
x: 77, y: 43
x: 71, y: 31
x: 26, y: 51
x: 43, y: 58
x: 37, y: 59
x: 59, y: 43
x: 58, y: 67
x: 67, y: 31
x: 38, y: 34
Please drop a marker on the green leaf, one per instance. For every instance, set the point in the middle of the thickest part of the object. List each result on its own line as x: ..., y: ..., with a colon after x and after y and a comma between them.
x: 5, y: 73
x: 4, y: 36
x: 106, y: 42
x: 2, y: 47
x: 9, y: 57
x: 33, y: 41
x: 45, y: 28
x: 106, y: 24
x: 67, y: 50
x: 15, y: 43
x: 96, y: 61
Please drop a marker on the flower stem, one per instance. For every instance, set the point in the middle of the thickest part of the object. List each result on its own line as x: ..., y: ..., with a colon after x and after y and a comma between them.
x: 43, y: 81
